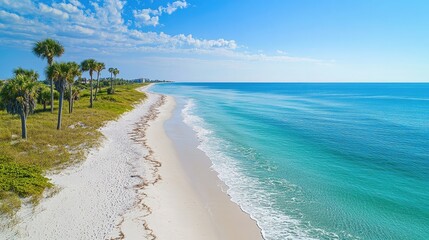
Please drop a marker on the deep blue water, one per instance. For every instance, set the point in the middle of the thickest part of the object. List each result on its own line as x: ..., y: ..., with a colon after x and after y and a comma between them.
x: 318, y: 161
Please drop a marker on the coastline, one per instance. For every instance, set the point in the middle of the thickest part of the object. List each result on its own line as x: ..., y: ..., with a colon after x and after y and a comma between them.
x: 213, y: 192
x: 137, y: 185
x: 190, y: 199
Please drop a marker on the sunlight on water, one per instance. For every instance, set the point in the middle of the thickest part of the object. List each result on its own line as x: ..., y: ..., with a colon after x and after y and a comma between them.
x: 318, y: 161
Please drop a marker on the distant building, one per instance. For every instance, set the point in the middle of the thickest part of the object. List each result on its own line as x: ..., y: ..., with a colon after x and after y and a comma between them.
x: 147, y: 80
x: 140, y: 80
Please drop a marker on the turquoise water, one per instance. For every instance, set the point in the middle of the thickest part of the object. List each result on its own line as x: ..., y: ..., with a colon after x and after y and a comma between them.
x: 318, y: 161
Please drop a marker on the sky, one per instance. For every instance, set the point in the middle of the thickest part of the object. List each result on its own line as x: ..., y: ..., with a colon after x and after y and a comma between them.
x: 226, y: 40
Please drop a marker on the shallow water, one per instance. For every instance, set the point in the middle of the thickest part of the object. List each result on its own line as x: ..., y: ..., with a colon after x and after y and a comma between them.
x: 318, y: 161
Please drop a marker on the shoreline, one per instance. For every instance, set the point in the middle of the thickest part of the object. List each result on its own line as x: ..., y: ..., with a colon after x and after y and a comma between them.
x: 136, y: 185
x: 212, y: 191
x: 192, y: 203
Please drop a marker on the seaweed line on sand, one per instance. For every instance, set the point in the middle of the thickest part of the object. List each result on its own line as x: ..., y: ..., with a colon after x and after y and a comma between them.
x: 139, y: 136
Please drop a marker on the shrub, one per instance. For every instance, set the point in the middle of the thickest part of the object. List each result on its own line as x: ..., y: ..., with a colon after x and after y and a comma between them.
x: 110, y: 91
x: 109, y: 98
x: 23, y: 180
x: 5, y: 159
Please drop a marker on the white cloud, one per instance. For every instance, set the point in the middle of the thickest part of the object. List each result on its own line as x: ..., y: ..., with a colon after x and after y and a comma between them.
x: 203, y: 43
x: 103, y: 30
x: 150, y: 17
x: 281, y: 52
x: 66, y: 7
x: 76, y: 3
x: 54, y: 11
x: 9, y: 17
x: 106, y: 25
x: 174, y: 6
x: 23, y: 6
x: 84, y: 30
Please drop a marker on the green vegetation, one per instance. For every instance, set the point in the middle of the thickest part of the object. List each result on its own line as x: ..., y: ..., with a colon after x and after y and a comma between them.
x: 99, y: 67
x: 113, y: 71
x: 43, y: 95
x: 30, y: 73
x: 49, y: 149
x: 89, y: 65
x: 24, y: 160
x: 63, y: 75
x: 21, y: 181
x: 18, y: 96
x: 48, y: 49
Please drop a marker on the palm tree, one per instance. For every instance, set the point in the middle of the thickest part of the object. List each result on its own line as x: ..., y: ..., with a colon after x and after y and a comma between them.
x: 30, y: 73
x: 62, y: 74
x: 18, y: 96
x: 111, y: 78
x: 89, y: 65
x: 115, y: 72
x: 100, y: 67
x: 75, y: 94
x: 44, y: 95
x: 74, y: 72
x: 49, y: 49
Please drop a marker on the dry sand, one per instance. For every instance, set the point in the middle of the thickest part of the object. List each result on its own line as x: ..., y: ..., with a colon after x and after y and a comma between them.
x: 94, y: 194
x: 180, y: 209
x: 135, y: 186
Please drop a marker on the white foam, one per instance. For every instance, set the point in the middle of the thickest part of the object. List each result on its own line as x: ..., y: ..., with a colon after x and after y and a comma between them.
x: 246, y: 191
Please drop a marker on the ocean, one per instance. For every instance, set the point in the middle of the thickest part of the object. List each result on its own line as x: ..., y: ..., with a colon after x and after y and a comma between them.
x: 317, y: 161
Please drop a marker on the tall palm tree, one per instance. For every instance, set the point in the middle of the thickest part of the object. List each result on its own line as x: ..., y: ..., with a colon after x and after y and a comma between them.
x: 49, y: 49
x: 18, y: 96
x: 30, y: 73
x: 115, y: 72
x: 74, y: 72
x: 100, y: 67
x: 63, y: 74
x: 89, y: 65
x: 111, y: 78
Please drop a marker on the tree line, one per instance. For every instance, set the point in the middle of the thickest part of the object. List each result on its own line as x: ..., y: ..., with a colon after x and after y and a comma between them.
x: 19, y: 95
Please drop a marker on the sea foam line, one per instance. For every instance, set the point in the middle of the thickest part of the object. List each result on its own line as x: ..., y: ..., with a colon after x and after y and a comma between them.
x: 257, y: 203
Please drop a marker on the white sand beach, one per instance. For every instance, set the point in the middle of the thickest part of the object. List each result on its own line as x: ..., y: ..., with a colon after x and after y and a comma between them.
x: 137, y: 185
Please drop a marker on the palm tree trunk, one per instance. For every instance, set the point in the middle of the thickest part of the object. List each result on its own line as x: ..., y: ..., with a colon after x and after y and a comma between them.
x: 111, y: 82
x: 98, y: 86
x: 90, y: 99
x: 50, y: 61
x: 70, y: 99
x: 60, y: 110
x: 113, y: 89
x: 52, y: 96
x: 23, y: 126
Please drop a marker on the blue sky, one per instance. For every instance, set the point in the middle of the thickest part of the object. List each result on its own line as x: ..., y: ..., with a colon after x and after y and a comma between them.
x: 226, y: 40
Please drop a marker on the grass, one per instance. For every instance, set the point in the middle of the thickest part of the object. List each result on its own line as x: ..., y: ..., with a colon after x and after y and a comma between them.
x: 24, y: 162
